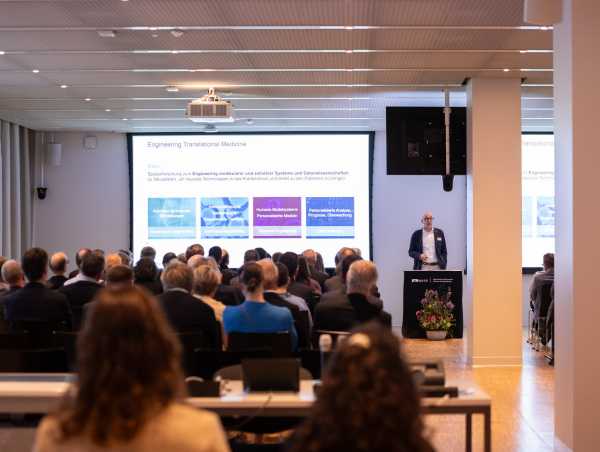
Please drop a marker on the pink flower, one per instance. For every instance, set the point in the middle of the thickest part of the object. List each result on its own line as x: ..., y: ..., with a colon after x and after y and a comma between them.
x: 450, y: 305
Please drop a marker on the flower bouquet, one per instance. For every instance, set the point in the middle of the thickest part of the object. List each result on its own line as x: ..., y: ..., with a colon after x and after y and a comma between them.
x: 436, y: 314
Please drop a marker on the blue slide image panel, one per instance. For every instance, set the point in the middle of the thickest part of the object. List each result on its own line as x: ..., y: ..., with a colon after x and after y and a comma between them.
x: 171, y: 218
x: 330, y: 217
x: 224, y: 218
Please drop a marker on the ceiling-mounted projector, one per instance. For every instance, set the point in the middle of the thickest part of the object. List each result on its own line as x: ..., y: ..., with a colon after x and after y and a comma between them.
x: 210, y: 108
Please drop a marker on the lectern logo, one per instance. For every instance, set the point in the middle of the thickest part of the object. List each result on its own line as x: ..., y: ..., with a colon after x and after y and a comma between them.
x: 419, y: 280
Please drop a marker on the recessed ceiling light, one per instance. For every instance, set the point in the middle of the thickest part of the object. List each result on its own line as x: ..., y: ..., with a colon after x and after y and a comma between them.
x: 522, y: 51
x: 155, y: 35
x: 64, y: 86
x: 108, y: 109
x: 106, y: 33
x: 177, y: 33
x: 174, y: 52
x: 172, y: 89
x: 36, y: 71
x: 506, y: 69
x: 87, y: 99
x: 125, y: 119
x: 348, y: 51
x: 2, y: 52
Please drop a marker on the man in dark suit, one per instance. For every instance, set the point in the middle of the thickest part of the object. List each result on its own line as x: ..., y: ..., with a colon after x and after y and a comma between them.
x: 311, y: 258
x: 186, y: 313
x: 428, y: 246
x: 337, y: 282
x: 35, y: 302
x: 343, y: 310
x: 58, y: 265
x: 270, y: 276
x: 83, y: 291
x: 290, y: 260
x: 78, y: 258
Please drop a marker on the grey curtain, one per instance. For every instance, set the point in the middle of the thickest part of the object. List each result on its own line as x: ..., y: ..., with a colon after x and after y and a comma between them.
x: 16, y: 189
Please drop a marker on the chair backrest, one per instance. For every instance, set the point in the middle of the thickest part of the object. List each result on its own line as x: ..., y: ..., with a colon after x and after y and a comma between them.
x: 207, y: 362
x: 303, y: 329
x: 34, y: 360
x: 68, y: 341
x: 544, y: 298
x: 15, y: 341
x: 41, y: 332
x: 279, y: 344
x: 189, y: 343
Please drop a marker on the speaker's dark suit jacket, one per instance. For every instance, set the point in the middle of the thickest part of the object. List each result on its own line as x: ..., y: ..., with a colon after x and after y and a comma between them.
x: 416, y: 248
x: 35, y: 302
x: 78, y: 294
x: 188, y: 314
x: 339, y: 311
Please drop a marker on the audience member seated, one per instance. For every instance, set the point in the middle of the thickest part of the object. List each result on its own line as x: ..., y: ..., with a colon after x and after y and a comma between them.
x: 84, y: 290
x: 206, y: 282
x: 3, y: 284
x: 367, y: 400
x: 146, y: 273
x: 112, y: 260
x: 167, y: 258
x: 12, y: 274
x: 78, y: 257
x: 249, y: 256
x: 255, y: 315
x: 540, y: 279
x: 336, y: 282
x: 58, y: 266
x: 270, y: 278
x: 304, y: 276
x: 148, y: 252
x: 290, y: 260
x: 35, y: 302
x: 319, y: 276
x: 342, y: 311
x: 228, y: 295
x: 193, y: 250
x: 119, y: 277
x: 129, y: 387
x: 126, y: 257
x: 186, y: 313
x: 283, y: 279
x: 262, y: 253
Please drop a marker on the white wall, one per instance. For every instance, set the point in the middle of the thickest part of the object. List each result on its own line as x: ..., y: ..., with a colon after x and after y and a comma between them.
x: 88, y: 197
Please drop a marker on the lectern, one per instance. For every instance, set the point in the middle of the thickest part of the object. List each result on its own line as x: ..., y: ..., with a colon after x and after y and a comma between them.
x: 415, y: 285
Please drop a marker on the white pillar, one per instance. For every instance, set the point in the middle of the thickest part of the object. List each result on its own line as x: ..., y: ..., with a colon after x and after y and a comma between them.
x: 494, y: 221
x: 577, y: 287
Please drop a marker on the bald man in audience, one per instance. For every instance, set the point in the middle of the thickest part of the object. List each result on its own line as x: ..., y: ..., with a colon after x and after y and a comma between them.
x: 74, y: 275
x: 311, y: 258
x: 12, y: 274
x: 112, y: 260
x: 336, y: 282
x: 58, y: 266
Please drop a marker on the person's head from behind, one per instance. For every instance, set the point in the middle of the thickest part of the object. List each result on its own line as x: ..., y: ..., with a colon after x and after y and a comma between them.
x: 35, y: 264
x: 345, y: 265
x: 341, y: 255
x: 250, y: 256
x: 167, y: 258
x: 367, y: 400
x: 206, y: 280
x: 79, y: 255
x: 2, y: 262
x: 112, y: 260
x: 277, y: 256
x: 12, y: 273
x: 58, y: 263
x: 92, y: 265
x: 126, y: 257
x: 283, y: 277
x: 129, y: 368
x: 262, y: 253
x: 290, y: 260
x: 252, y: 280
x: 119, y: 277
x: 310, y: 256
x: 197, y: 260
x: 269, y: 271
x: 304, y: 273
x: 145, y: 270
x: 361, y: 278
x: 194, y: 249
x: 148, y: 251
x: 216, y: 253
x: 224, y: 263
x: 177, y: 275
x: 549, y: 261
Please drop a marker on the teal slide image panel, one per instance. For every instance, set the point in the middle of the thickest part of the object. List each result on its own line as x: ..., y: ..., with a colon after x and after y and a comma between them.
x: 171, y: 218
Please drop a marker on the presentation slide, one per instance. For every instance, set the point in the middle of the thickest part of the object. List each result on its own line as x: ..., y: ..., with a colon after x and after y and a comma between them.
x: 538, y: 197
x: 282, y: 192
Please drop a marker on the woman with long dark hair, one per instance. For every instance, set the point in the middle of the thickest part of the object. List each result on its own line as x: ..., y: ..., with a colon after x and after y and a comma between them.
x: 128, y: 386
x: 367, y: 402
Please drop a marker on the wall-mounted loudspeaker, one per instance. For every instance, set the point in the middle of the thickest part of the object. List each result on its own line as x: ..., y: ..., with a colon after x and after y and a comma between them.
x: 542, y: 12
x: 54, y: 153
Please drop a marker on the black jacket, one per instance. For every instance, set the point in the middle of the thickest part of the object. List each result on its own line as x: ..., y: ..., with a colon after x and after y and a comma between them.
x: 188, y: 314
x: 228, y: 295
x: 78, y: 294
x: 56, y: 282
x: 416, y: 248
x: 35, y: 302
x: 339, y: 311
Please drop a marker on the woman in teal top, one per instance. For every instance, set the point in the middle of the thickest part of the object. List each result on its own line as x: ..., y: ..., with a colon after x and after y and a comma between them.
x: 255, y: 315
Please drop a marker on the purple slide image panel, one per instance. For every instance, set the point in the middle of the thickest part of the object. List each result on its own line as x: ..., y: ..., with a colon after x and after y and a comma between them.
x: 276, y: 217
